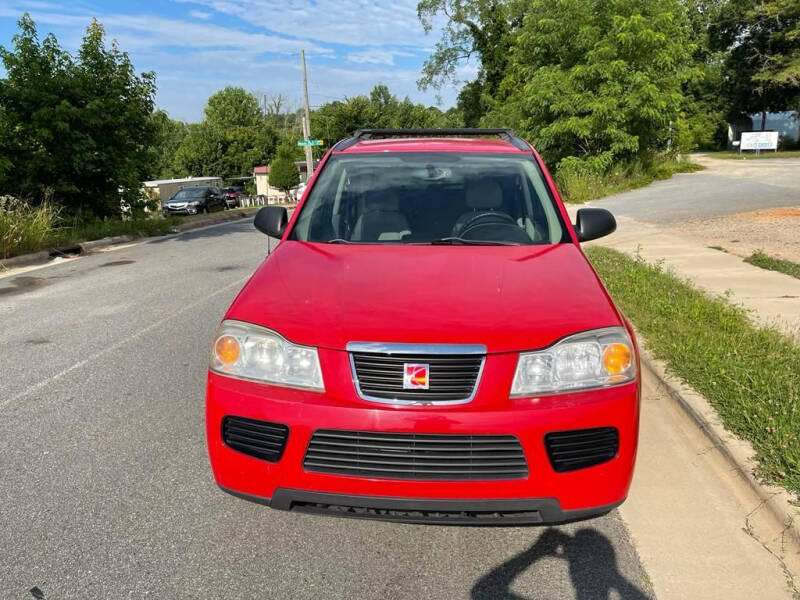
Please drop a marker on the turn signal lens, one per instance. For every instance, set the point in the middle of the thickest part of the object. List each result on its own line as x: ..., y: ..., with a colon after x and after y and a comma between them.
x: 227, y: 349
x: 617, y: 358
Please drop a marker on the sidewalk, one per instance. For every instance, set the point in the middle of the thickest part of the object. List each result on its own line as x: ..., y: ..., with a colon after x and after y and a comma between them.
x: 691, y: 517
x: 772, y: 297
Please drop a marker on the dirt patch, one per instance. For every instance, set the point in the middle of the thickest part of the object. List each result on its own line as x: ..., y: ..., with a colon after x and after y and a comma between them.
x: 21, y: 284
x: 772, y: 230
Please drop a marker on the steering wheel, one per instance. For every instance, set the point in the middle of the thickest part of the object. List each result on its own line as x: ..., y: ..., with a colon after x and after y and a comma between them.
x: 488, y: 216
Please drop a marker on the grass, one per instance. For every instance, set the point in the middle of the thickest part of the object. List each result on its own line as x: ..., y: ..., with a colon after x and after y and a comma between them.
x: 750, y: 374
x: 23, y: 228
x: 772, y: 263
x: 74, y: 232
x: 750, y: 154
x: 26, y: 229
x: 580, y: 187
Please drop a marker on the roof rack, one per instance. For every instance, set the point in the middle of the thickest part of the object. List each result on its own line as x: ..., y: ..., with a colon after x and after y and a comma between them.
x: 366, y: 134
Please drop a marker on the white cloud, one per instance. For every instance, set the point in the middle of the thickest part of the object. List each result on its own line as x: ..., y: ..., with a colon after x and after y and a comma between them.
x: 349, y: 22
x: 136, y: 32
x: 351, y: 45
x: 376, y: 56
x: 199, y: 14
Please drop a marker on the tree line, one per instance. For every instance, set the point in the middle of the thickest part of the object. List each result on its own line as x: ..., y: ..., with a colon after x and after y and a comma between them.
x: 593, y: 84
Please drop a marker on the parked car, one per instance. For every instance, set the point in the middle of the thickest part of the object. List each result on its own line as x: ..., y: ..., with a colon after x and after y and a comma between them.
x: 193, y: 200
x: 299, y: 191
x: 232, y: 196
x: 427, y: 343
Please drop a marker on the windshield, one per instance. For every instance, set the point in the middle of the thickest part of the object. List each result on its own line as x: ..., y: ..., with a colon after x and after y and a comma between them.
x: 430, y: 198
x: 189, y: 193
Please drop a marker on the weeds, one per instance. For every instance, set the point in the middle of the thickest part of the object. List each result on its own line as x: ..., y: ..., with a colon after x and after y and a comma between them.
x: 772, y: 263
x: 578, y: 186
x: 24, y: 228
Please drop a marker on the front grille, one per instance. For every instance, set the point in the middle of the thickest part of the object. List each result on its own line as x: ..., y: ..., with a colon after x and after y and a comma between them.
x: 259, y: 439
x: 581, y: 448
x: 415, y: 455
x: 452, y: 377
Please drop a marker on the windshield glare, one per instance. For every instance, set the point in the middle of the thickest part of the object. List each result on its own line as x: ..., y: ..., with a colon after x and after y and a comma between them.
x: 190, y: 193
x: 424, y: 198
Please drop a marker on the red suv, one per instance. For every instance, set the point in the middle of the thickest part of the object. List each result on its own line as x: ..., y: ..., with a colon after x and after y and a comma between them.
x: 427, y: 343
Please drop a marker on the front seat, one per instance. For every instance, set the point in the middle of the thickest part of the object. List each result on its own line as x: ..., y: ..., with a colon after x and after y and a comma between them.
x: 482, y: 196
x: 381, y: 219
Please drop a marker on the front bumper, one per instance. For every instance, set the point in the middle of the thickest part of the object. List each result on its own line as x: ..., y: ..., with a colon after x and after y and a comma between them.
x: 536, y: 511
x: 189, y: 210
x: 544, y: 496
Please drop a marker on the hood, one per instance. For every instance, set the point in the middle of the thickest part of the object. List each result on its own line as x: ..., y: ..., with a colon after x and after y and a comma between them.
x: 508, y: 298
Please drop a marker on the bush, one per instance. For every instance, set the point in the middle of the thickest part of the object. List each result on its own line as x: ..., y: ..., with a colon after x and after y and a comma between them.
x: 24, y: 228
x: 579, y: 181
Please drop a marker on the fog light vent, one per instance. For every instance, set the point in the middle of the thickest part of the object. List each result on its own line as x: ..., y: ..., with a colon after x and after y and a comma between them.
x: 259, y: 439
x: 581, y: 448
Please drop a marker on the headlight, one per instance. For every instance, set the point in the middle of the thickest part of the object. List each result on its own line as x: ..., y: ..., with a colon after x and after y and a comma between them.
x: 593, y: 359
x: 252, y: 352
x: 194, y: 203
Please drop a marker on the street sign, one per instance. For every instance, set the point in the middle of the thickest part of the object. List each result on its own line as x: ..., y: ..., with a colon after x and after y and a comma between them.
x: 310, y: 143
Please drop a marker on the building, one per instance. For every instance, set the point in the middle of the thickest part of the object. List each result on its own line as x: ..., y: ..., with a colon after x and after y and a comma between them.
x: 787, y: 123
x: 261, y: 177
x: 164, y: 189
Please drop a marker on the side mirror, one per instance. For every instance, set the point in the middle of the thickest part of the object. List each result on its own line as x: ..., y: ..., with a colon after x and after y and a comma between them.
x: 593, y: 223
x: 272, y: 220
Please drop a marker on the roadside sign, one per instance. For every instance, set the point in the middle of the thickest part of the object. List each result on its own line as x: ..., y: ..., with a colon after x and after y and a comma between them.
x: 759, y: 140
x: 310, y: 143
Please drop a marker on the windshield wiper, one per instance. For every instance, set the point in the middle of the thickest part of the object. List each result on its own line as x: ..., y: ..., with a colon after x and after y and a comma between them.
x: 457, y: 241
x: 341, y: 241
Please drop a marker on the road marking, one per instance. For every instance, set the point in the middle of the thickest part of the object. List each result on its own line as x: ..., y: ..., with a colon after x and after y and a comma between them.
x: 117, y: 345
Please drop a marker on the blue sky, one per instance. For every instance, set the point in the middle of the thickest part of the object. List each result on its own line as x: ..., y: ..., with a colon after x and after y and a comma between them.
x: 199, y: 46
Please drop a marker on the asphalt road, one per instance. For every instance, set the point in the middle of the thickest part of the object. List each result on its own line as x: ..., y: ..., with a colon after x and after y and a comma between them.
x: 724, y: 187
x: 105, y: 486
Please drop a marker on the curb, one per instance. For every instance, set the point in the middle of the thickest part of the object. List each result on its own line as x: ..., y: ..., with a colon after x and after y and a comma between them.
x: 739, y: 453
x: 43, y: 256
x: 25, y: 259
x: 103, y: 242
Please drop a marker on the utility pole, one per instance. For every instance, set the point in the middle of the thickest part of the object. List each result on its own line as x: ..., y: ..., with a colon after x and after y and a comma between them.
x: 307, y: 120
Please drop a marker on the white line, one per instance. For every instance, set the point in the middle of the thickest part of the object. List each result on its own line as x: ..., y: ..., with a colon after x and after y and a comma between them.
x: 116, y: 345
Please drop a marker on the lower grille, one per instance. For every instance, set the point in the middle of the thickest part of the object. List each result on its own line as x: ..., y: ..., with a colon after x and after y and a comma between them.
x: 581, y: 448
x: 460, y: 517
x: 416, y: 456
x: 259, y: 439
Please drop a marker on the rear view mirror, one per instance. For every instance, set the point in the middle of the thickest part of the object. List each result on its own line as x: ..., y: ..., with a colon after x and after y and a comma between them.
x: 272, y: 220
x: 593, y: 223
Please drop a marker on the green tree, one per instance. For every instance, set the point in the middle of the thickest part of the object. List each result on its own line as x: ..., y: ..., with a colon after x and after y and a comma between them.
x: 594, y: 82
x: 77, y: 129
x: 761, y: 40
x: 232, y: 139
x: 169, y: 135
x: 283, y: 173
x: 481, y: 30
x: 381, y: 109
x: 233, y: 107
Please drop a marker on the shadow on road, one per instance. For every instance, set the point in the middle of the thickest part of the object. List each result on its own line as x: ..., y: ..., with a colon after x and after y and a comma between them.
x: 592, y: 568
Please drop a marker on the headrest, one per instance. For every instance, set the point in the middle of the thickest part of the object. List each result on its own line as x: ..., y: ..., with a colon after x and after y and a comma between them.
x: 485, y: 193
x: 382, y: 201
